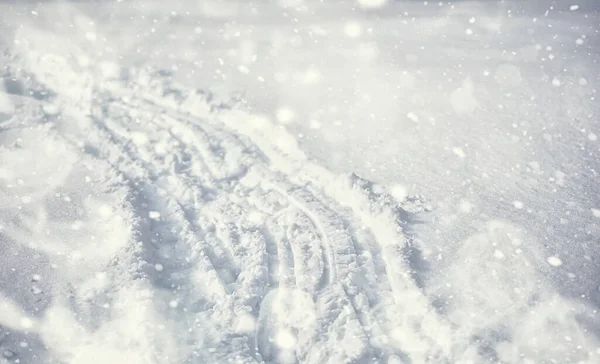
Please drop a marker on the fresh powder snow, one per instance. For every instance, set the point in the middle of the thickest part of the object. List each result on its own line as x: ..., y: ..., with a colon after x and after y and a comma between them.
x: 299, y: 181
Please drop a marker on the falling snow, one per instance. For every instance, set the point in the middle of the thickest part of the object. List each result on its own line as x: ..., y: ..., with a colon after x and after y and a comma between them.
x: 299, y: 181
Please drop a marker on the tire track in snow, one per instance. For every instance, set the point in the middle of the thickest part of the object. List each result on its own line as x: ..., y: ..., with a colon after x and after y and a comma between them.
x: 207, y: 250
x: 210, y: 155
x: 264, y: 348
x: 171, y: 223
x: 326, y: 234
x: 329, y: 259
x: 329, y: 274
x: 401, y: 282
x: 337, y: 234
x: 221, y: 240
x: 176, y: 227
x: 287, y: 258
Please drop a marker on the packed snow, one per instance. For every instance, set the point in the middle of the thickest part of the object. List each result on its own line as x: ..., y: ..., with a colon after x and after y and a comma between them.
x: 299, y: 181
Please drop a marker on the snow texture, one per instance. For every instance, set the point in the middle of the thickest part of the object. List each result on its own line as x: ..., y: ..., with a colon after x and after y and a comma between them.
x: 176, y: 188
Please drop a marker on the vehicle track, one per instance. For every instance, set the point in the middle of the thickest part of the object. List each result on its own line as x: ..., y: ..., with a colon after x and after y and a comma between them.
x: 257, y: 245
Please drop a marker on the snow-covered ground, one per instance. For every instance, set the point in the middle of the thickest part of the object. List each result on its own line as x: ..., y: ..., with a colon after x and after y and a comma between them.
x: 298, y: 181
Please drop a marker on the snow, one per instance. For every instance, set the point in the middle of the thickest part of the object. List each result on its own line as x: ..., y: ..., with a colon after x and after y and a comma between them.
x: 285, y: 115
x: 353, y: 29
x: 372, y: 4
x: 299, y: 181
x: 556, y: 82
x: 7, y: 107
x: 463, y: 98
x: 399, y: 192
x: 285, y: 339
x: 459, y: 152
x: 554, y: 261
x: 155, y: 215
x: 51, y: 109
x: 26, y: 323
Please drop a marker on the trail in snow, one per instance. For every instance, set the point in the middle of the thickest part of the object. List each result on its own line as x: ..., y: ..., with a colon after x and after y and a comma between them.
x: 156, y: 224
x: 225, y: 249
